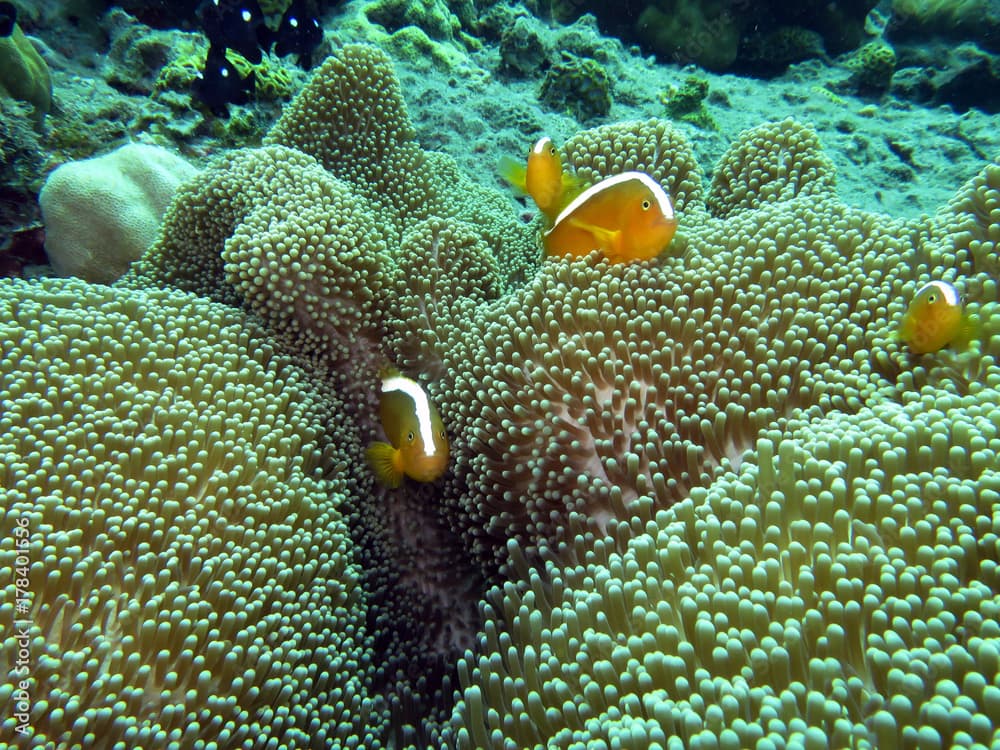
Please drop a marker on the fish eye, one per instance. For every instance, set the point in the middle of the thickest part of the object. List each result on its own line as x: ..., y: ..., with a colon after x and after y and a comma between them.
x: 932, y: 298
x: 443, y: 435
x: 645, y: 205
x: 409, y: 437
x: 552, y: 150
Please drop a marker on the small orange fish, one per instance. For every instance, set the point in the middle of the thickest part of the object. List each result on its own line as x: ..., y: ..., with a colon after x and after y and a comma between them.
x: 935, y: 319
x: 627, y: 216
x: 543, y: 178
x: 419, y: 443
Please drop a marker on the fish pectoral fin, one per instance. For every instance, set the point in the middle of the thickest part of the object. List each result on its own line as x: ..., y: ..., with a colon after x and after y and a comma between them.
x: 572, y: 186
x: 968, y: 331
x: 607, y: 238
x: 903, y: 332
x: 382, y: 457
x: 609, y: 241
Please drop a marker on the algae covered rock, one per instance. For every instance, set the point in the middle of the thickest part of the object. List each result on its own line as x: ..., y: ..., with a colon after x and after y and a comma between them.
x: 725, y: 34
x: 687, y: 103
x: 577, y: 85
x: 973, y: 20
x: 705, y: 33
x: 873, y: 66
x: 770, y: 52
x: 962, y: 76
x: 522, y: 46
x: 23, y: 73
x: 433, y: 16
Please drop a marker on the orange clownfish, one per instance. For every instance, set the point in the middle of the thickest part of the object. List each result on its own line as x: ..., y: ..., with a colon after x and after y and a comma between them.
x: 935, y: 319
x: 627, y: 216
x: 419, y: 443
x: 543, y: 178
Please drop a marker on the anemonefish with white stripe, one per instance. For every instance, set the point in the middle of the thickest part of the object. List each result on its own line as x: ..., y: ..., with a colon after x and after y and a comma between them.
x: 935, y: 319
x: 544, y: 178
x: 419, y: 443
x: 627, y: 216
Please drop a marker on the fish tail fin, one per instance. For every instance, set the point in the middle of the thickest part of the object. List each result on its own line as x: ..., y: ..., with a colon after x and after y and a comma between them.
x: 514, y: 173
x: 382, y: 458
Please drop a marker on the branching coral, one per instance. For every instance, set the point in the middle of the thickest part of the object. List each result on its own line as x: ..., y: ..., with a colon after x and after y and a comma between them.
x: 191, y: 572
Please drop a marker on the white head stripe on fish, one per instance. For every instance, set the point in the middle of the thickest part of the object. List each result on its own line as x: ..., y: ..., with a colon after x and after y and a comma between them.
x: 662, y: 199
x: 421, y: 406
x: 949, y: 292
x: 543, y: 145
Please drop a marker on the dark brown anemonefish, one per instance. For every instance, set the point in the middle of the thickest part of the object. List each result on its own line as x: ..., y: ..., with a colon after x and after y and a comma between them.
x: 627, y: 216
x: 543, y: 177
x: 935, y: 319
x: 419, y: 443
